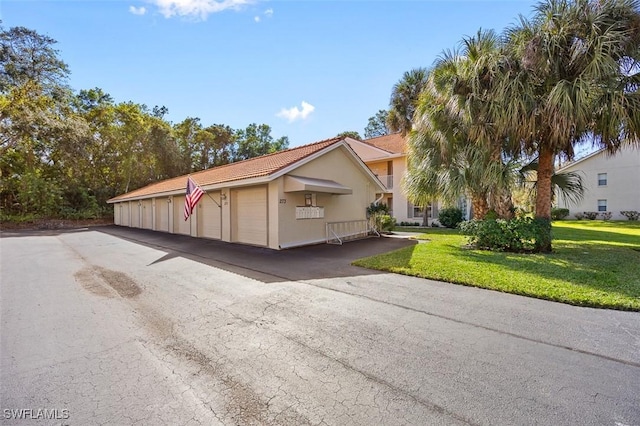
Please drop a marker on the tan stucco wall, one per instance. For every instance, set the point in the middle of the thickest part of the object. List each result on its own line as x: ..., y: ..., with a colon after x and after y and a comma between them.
x: 622, y: 191
x: 334, y: 166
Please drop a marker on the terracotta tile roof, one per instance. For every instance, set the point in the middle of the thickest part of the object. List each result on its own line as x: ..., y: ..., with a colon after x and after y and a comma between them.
x: 255, y: 167
x: 393, y: 143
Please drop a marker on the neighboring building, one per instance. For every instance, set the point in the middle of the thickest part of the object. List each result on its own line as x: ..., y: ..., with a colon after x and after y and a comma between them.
x: 612, y: 183
x: 300, y: 196
x: 386, y: 156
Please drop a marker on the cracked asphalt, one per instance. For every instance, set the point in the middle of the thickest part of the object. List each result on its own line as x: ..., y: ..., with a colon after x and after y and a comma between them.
x: 120, y: 327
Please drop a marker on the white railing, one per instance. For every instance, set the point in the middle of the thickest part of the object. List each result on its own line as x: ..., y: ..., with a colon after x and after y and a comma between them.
x: 339, y: 232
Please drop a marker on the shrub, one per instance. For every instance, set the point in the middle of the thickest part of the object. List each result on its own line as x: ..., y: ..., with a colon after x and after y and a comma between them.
x: 377, y: 209
x: 590, y: 215
x: 559, y: 214
x: 579, y: 216
x: 382, y: 222
x: 515, y: 235
x: 450, y: 217
x: 631, y: 214
x: 606, y: 215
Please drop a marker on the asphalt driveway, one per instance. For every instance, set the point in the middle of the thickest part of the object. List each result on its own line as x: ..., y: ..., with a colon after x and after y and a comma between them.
x: 121, y: 326
x: 266, y: 265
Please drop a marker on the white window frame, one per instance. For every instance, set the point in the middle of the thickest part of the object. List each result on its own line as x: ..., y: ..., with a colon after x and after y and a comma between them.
x: 602, y: 203
x: 601, y: 181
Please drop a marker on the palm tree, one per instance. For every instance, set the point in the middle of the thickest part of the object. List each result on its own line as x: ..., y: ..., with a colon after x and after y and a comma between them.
x: 454, y: 150
x: 404, y: 99
x: 572, y: 76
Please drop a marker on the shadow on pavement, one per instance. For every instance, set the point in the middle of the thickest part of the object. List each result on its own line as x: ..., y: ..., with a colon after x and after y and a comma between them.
x: 266, y: 265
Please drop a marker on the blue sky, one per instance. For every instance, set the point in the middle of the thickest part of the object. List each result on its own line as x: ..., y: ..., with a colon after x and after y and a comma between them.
x: 309, y: 69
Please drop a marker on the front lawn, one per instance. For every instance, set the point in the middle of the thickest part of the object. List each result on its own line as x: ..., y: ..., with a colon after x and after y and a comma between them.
x: 594, y: 263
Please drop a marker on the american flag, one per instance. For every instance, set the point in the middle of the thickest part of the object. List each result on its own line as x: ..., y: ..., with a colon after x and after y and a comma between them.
x: 194, y: 193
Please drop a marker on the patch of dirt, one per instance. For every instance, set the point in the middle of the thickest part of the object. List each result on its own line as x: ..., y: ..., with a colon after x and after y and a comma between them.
x: 87, y: 279
x: 103, y: 282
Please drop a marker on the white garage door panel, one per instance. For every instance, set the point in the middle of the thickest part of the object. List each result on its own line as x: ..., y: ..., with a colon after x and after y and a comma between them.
x: 147, y: 214
x: 180, y: 226
x: 135, y: 214
x: 251, y: 216
x: 117, y: 213
x: 209, y: 216
x: 124, y: 215
x: 162, y: 214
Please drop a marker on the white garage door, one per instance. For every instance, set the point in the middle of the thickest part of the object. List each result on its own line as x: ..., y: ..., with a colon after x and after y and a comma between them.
x: 124, y: 214
x: 117, y: 213
x: 251, y: 216
x: 135, y: 214
x: 162, y: 214
x: 209, y: 216
x: 147, y: 214
x: 180, y: 226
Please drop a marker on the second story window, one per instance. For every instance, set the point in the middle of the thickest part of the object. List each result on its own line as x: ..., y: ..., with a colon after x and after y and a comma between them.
x: 602, y: 179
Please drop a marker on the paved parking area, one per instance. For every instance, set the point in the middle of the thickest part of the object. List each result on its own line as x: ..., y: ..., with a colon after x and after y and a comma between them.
x: 302, y: 263
x: 121, y: 326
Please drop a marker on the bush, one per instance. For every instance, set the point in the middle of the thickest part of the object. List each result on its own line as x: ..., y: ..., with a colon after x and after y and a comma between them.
x: 380, y: 208
x: 559, y: 214
x: 631, y: 214
x: 590, y: 215
x: 515, y: 235
x: 606, y: 215
x: 579, y: 216
x: 382, y: 222
x: 450, y: 217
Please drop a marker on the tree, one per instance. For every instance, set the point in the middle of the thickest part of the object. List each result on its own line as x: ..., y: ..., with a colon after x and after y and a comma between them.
x: 377, y: 125
x: 256, y: 140
x: 349, y: 134
x: 26, y: 56
x: 453, y: 149
x: 404, y: 100
x: 572, y: 75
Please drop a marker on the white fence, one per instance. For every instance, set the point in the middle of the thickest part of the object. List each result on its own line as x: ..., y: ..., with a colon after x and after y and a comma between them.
x: 339, y: 232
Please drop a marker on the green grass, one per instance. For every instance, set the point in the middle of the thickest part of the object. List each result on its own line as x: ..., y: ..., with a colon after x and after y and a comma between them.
x: 594, y: 263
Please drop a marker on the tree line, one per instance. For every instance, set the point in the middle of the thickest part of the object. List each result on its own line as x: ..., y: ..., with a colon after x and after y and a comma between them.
x: 64, y: 153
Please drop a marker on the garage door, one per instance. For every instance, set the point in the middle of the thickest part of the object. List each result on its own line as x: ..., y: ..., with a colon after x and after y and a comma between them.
x: 135, y: 214
x: 147, y: 214
x: 124, y: 214
x: 209, y: 216
x: 180, y: 226
x: 162, y: 214
x: 117, y: 213
x: 251, y: 216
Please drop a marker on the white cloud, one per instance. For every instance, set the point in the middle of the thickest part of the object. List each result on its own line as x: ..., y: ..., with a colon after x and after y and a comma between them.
x: 199, y: 9
x: 268, y: 13
x: 256, y: 18
x: 292, y: 114
x: 137, y: 10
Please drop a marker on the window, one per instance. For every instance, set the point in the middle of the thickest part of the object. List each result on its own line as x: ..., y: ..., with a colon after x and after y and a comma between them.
x: 602, y: 205
x: 602, y: 179
x: 417, y: 211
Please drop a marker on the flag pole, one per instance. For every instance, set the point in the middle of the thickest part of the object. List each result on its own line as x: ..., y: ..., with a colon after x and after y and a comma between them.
x: 209, y: 195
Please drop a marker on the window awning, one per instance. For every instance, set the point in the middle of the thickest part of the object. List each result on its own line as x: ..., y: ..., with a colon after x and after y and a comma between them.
x: 300, y: 184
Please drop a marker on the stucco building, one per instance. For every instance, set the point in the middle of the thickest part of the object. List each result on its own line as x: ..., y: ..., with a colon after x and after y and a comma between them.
x: 304, y: 195
x: 386, y: 156
x: 612, y: 182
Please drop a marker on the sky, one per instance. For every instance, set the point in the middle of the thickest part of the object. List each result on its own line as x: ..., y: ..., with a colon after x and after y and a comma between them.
x: 310, y: 69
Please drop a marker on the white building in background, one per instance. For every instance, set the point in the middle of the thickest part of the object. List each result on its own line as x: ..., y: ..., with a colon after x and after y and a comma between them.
x: 612, y: 183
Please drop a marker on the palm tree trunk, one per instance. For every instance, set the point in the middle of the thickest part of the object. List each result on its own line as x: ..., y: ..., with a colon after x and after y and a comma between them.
x: 543, y: 191
x: 480, y: 206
